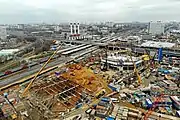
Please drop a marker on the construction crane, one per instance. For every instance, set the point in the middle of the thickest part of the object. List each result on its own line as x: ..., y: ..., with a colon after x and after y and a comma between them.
x: 136, y: 70
x: 152, y: 59
x: 32, y: 81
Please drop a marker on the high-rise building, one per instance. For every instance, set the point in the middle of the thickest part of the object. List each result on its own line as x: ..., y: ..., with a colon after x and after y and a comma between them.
x: 156, y: 28
x: 3, y: 32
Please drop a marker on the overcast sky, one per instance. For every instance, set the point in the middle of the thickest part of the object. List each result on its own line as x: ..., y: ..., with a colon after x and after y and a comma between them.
x: 57, y: 11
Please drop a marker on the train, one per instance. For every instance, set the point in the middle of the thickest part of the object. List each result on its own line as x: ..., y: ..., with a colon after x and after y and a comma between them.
x: 26, y: 66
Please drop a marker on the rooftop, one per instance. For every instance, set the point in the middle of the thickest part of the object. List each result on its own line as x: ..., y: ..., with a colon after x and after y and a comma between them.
x: 8, y: 51
x: 123, y: 58
x: 158, y: 44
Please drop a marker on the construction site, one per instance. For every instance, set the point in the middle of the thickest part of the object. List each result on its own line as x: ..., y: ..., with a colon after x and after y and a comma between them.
x: 101, y: 83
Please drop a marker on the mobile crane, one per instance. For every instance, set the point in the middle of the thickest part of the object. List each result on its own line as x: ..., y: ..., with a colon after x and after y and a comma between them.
x: 32, y: 81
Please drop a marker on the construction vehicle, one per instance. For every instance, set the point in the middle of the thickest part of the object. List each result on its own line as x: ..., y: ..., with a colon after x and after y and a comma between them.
x: 100, y: 93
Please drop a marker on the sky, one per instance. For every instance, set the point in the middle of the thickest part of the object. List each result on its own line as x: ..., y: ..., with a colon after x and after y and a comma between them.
x: 58, y: 11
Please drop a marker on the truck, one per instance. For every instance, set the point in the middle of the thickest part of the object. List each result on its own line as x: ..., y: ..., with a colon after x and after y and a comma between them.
x: 100, y: 93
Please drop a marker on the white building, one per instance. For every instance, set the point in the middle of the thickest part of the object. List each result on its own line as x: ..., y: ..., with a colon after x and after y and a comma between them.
x: 75, y: 31
x: 121, y: 62
x: 156, y: 28
x: 154, y: 44
x: 75, y: 28
x: 3, y: 32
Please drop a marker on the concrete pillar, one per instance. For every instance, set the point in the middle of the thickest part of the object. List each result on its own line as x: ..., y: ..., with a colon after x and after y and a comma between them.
x: 71, y: 26
x: 74, y: 28
x: 78, y: 29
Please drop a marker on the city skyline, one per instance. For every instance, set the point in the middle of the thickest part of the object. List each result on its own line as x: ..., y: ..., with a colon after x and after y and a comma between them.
x: 56, y: 11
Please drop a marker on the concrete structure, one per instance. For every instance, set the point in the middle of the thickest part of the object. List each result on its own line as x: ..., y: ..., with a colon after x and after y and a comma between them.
x: 122, y: 62
x: 78, y: 31
x: 75, y: 32
x: 156, y: 28
x: 75, y: 29
x: 158, y: 44
x: 71, y: 27
x: 3, y: 32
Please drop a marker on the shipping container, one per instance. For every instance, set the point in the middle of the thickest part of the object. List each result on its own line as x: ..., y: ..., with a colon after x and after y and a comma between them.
x: 112, y: 87
x: 79, y: 105
x: 101, y: 107
x: 88, y: 111
x: 105, y: 104
x: 105, y: 99
x: 149, y: 103
x: 110, y: 118
x: 101, y: 114
x: 114, y: 100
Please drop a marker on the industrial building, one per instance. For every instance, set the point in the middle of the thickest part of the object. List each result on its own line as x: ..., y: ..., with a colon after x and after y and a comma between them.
x: 156, y: 28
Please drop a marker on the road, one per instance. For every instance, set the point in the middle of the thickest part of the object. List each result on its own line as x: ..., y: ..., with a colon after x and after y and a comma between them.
x: 33, y: 70
x: 30, y: 71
